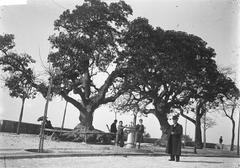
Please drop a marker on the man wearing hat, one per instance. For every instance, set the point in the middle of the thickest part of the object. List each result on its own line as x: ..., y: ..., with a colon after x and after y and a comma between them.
x: 174, y: 140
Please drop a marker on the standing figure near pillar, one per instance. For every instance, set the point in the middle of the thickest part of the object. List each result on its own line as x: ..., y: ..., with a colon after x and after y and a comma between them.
x: 139, y: 132
x: 113, y: 129
x: 120, y: 134
x: 174, y: 140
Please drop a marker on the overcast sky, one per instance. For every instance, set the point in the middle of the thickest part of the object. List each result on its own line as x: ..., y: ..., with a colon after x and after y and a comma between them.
x: 215, y: 21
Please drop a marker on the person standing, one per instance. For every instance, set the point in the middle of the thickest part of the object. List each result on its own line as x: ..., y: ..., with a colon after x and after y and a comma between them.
x: 139, y: 132
x: 48, y: 125
x: 174, y: 140
x: 120, y: 134
x: 220, y: 142
x: 113, y: 129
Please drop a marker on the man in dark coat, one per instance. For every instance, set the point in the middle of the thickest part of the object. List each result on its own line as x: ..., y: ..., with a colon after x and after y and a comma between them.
x: 113, y: 129
x: 48, y: 125
x: 120, y: 134
x: 174, y: 140
x: 139, y: 132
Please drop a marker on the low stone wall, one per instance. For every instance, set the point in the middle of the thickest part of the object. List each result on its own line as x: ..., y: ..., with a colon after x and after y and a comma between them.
x: 150, y: 140
x: 25, y: 128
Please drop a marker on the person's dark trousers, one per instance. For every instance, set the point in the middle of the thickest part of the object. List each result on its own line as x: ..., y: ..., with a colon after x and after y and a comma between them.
x: 177, y: 158
x: 121, y: 144
x: 139, y: 138
x: 171, y: 158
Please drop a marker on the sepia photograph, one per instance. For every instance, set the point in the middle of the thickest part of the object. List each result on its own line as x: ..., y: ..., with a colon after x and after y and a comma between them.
x: 119, y: 83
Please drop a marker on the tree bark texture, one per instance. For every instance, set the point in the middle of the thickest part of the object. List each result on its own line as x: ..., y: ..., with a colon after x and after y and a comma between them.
x: 20, y: 117
x: 161, y: 114
x: 86, y: 119
x: 233, y: 135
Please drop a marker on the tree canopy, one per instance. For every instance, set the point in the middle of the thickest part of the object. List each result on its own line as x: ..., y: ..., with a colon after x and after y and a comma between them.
x: 19, y: 77
x: 171, y: 68
x: 87, y: 43
x: 18, y: 67
x: 165, y: 68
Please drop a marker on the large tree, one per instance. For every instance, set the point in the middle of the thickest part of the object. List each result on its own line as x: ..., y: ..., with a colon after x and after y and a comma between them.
x: 166, y: 66
x: 86, y: 44
x: 169, y: 69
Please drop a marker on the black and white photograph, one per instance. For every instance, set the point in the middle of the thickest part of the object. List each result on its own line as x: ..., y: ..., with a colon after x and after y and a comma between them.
x: 119, y: 83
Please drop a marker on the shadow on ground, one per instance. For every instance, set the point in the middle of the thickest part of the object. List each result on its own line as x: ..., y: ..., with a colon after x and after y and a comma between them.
x: 199, y: 161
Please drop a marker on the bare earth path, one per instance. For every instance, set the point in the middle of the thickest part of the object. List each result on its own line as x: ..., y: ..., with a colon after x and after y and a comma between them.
x: 12, y: 144
x: 122, y: 162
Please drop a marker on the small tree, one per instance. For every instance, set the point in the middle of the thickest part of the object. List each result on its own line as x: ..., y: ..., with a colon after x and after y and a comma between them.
x: 17, y: 81
x: 205, y: 94
x: 229, y: 106
x: 207, y: 123
x: 19, y: 88
x: 130, y: 103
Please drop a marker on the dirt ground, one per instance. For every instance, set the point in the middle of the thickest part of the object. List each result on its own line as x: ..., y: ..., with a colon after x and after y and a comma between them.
x: 9, y: 141
x: 122, y: 162
x: 30, y: 141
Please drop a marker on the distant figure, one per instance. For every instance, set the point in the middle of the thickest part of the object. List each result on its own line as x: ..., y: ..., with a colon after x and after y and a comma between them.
x: 113, y: 129
x: 48, y: 125
x: 139, y: 132
x: 220, y: 142
x: 174, y: 140
x: 120, y: 134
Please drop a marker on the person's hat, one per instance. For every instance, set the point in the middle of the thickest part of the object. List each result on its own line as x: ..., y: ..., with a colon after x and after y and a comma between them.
x: 175, y: 117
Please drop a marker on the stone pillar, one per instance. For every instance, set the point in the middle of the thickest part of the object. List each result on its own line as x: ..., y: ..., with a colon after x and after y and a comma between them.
x: 130, y: 138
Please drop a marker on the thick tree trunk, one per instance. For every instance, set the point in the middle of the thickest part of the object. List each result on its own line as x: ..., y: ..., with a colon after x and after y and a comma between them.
x: 163, y: 120
x: 198, y: 133
x: 161, y: 114
x: 20, y: 117
x: 233, y: 135
x: 86, y: 110
x: 86, y: 120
